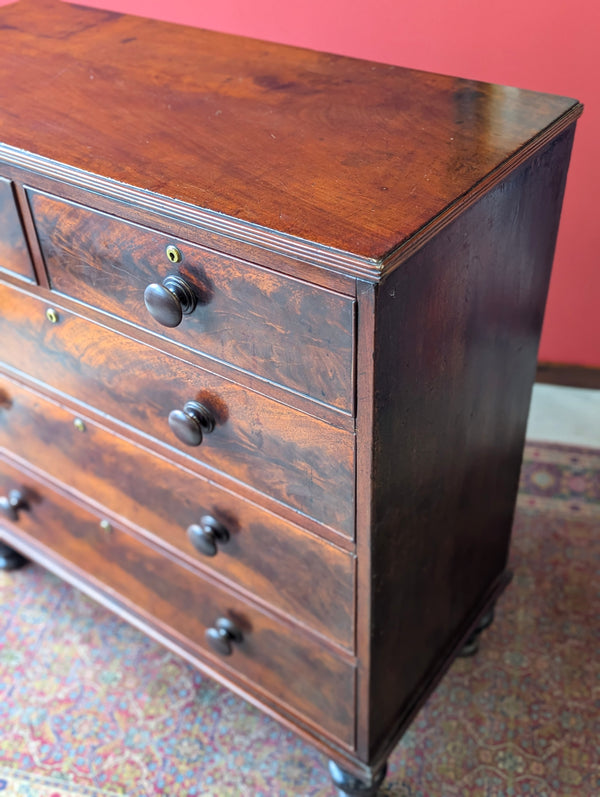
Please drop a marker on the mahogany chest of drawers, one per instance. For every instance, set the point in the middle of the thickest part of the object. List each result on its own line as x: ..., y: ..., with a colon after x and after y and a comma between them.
x: 268, y: 323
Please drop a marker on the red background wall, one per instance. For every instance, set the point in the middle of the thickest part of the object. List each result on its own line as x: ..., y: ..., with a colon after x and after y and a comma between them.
x: 547, y: 45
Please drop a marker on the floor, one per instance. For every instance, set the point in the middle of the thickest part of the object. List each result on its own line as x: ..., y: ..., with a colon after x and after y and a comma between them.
x: 565, y: 415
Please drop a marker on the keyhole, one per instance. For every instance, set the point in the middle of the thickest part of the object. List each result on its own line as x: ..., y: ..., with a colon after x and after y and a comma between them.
x: 174, y: 254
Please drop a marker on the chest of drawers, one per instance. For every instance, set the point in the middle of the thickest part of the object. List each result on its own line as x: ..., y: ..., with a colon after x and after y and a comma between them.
x: 269, y: 323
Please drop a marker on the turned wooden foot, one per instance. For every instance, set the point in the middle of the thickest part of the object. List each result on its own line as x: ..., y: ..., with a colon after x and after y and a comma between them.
x: 348, y: 784
x: 11, y: 559
x: 471, y: 646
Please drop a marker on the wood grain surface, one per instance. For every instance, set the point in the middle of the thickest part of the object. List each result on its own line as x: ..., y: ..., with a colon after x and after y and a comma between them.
x: 291, y: 456
x: 284, y: 330
x: 296, y: 671
x: 296, y: 572
x: 451, y: 397
x: 14, y: 254
x: 391, y: 235
x: 349, y: 154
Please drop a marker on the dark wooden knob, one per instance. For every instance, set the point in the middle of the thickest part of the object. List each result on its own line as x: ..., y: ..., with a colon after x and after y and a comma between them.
x: 11, y: 504
x: 191, y: 423
x: 168, y: 302
x: 205, y: 535
x: 222, y: 636
x: 11, y: 559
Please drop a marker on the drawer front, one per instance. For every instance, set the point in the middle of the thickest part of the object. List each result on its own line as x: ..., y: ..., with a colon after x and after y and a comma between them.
x: 294, y: 571
x: 297, y: 672
x: 14, y: 254
x: 279, y: 328
x: 293, y: 457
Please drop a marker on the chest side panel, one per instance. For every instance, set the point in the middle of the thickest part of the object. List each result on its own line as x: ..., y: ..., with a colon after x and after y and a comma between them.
x: 457, y: 329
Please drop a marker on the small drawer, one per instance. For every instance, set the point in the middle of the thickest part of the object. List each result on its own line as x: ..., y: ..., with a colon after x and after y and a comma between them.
x: 296, y: 572
x: 267, y: 658
x: 293, y: 457
x: 281, y: 329
x: 14, y: 253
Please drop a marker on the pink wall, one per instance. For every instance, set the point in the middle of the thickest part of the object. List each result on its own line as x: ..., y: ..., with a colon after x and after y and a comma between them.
x: 547, y: 45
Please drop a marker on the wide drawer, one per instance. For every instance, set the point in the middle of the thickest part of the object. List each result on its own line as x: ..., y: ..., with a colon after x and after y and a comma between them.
x: 294, y: 571
x: 288, y: 667
x: 293, y: 457
x: 284, y: 330
x: 14, y: 254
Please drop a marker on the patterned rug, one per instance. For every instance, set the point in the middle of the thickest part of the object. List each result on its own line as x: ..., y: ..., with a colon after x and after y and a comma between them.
x: 89, y: 706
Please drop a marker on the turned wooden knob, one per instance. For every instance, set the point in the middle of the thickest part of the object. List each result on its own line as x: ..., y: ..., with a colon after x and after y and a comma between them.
x: 222, y: 636
x: 11, y: 504
x: 168, y: 302
x: 191, y: 423
x: 205, y: 535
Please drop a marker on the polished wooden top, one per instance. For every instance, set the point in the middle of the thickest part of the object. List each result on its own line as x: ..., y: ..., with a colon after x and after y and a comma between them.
x: 353, y: 155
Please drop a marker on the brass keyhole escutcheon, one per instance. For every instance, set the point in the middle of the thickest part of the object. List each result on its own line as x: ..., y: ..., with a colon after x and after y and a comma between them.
x: 52, y: 315
x: 174, y: 254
